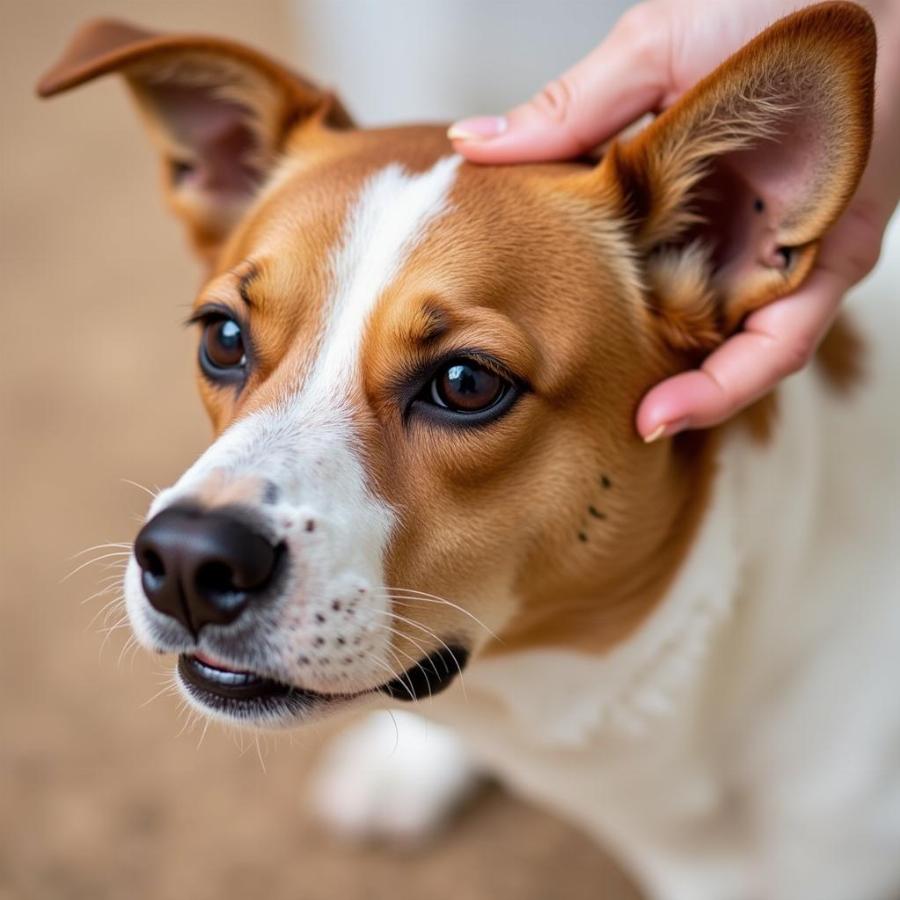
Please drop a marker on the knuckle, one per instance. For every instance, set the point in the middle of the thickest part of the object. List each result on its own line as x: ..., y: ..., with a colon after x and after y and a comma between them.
x: 635, y: 19
x: 556, y: 101
x: 863, y: 256
x: 559, y: 105
x: 863, y: 253
x: 796, y: 355
x: 638, y: 27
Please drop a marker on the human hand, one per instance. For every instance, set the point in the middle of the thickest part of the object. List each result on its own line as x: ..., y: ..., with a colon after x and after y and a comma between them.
x: 657, y: 51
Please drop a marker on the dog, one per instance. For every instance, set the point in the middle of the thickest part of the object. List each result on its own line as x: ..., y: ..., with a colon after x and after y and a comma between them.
x: 426, y: 484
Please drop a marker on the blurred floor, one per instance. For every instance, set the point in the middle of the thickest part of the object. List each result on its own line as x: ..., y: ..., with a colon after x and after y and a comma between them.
x: 100, y: 796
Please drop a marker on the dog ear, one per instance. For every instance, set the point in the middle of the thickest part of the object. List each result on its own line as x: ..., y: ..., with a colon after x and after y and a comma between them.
x: 217, y: 111
x: 729, y: 191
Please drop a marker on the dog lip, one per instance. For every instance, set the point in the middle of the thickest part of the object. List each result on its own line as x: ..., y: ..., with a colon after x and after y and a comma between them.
x: 222, y: 687
x: 212, y: 677
x: 429, y: 676
x: 212, y: 662
x: 211, y: 680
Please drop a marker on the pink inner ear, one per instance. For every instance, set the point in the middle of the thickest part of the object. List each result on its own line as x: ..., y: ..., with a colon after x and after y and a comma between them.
x: 754, y: 198
x: 787, y: 170
x: 219, y: 135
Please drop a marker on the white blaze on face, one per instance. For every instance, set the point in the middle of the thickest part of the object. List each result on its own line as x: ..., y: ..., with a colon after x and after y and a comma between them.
x: 331, y: 628
x: 393, y: 212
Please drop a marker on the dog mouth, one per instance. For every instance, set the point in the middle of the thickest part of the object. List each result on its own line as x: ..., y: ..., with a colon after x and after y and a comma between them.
x: 244, y: 694
x: 208, y: 675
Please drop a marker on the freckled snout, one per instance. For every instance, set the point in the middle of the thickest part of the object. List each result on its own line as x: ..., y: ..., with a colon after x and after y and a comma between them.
x: 202, y: 567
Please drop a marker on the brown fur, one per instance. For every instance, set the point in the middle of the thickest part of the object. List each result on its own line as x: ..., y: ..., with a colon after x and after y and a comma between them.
x: 840, y: 356
x: 269, y: 99
x: 556, y: 524
x: 817, y: 67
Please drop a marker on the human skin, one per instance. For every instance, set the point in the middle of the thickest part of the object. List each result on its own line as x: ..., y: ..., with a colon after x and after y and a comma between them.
x: 657, y: 51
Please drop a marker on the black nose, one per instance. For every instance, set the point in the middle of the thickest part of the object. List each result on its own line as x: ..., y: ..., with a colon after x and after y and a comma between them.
x: 202, y: 567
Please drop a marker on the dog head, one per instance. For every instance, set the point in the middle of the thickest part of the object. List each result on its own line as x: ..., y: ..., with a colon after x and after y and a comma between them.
x: 422, y: 374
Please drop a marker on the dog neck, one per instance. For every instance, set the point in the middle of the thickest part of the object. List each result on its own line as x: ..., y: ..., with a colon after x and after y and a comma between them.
x: 570, y: 692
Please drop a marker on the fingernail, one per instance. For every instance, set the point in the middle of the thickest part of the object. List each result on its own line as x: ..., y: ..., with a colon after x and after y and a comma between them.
x: 481, y: 128
x: 667, y: 429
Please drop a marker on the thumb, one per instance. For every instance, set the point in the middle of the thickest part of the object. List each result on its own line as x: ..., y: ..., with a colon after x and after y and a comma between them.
x: 615, y: 84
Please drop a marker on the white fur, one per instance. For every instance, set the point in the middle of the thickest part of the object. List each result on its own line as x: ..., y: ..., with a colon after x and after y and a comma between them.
x: 393, y: 213
x: 393, y: 777
x: 745, y: 743
x: 333, y: 632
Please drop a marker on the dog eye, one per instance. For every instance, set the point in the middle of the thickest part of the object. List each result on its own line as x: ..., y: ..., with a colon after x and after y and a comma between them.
x: 464, y: 386
x: 222, y: 346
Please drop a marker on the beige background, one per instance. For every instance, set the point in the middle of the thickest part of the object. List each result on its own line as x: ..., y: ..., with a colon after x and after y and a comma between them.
x: 100, y: 796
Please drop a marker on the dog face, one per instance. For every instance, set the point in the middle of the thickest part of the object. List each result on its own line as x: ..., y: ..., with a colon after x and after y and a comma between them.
x: 422, y: 374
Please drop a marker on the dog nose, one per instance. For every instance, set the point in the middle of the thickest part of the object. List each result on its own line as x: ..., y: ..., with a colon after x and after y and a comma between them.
x: 201, y: 567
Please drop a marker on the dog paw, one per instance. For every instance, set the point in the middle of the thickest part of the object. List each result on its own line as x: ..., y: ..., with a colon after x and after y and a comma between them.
x: 393, y: 777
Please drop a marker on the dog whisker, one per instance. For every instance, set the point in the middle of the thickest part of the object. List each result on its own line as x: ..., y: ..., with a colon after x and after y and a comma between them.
x: 168, y: 688
x: 399, y: 633
x: 395, y: 650
x: 259, y: 756
x: 107, y: 632
x: 109, y: 584
x: 396, y: 731
x: 113, y: 581
x: 110, y: 545
x: 203, y: 733
x: 91, y: 562
x: 120, y: 623
x: 395, y: 676
x: 107, y: 608
x: 110, y: 576
x: 133, y: 655
x: 411, y: 594
x: 398, y: 618
x: 423, y: 628
x: 113, y: 607
x: 190, y: 719
x: 131, y: 642
x: 436, y: 637
x: 141, y: 487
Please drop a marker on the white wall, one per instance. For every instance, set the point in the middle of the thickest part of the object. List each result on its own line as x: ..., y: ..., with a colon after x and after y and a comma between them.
x: 436, y: 60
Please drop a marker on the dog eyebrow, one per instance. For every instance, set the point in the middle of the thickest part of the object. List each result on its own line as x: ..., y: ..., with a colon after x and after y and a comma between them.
x: 429, y: 325
x: 244, y: 283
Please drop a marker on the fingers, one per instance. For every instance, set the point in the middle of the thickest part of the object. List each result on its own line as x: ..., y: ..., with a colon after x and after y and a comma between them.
x: 619, y: 81
x: 777, y: 341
